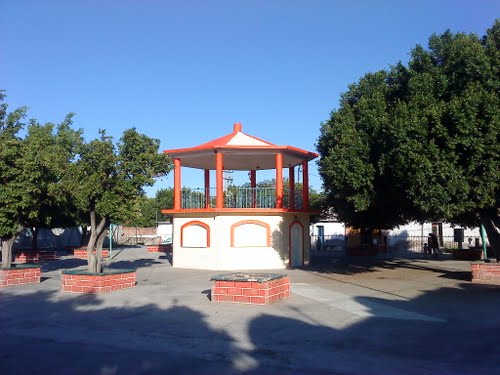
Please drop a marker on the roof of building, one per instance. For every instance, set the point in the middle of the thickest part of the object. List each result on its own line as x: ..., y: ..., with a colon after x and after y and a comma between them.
x: 241, y: 152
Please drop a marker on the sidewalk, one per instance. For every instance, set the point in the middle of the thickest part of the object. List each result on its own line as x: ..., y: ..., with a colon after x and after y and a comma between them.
x: 368, y: 317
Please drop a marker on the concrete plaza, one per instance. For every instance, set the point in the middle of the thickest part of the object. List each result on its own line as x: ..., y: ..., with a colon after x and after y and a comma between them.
x: 362, y: 316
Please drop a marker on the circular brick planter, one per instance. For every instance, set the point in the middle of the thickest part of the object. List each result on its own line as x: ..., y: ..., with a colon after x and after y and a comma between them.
x: 485, y: 273
x: 34, y: 256
x: 81, y: 253
x: 82, y: 281
x: 19, y: 274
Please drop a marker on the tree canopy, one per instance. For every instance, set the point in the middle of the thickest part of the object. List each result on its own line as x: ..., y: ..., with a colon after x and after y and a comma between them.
x: 32, y: 166
x: 420, y: 141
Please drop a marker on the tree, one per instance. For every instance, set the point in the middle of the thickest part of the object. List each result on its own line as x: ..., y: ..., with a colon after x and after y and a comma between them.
x: 31, y: 174
x: 107, y: 182
x: 422, y: 141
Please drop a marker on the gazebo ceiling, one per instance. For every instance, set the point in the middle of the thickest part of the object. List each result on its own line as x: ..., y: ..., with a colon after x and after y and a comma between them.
x: 242, y: 152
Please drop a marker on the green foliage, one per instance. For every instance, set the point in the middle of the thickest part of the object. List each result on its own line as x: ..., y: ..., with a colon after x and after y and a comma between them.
x: 31, y: 170
x: 148, y: 210
x: 109, y: 179
x: 419, y: 142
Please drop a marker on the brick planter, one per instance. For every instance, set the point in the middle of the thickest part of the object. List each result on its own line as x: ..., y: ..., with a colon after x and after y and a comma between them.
x: 159, y: 248
x: 30, y: 256
x: 486, y: 273
x: 78, y: 281
x: 256, y: 288
x: 19, y: 275
x: 467, y: 254
x: 81, y: 253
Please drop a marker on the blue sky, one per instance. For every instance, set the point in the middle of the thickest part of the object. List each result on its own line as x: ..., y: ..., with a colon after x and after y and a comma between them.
x: 185, y: 71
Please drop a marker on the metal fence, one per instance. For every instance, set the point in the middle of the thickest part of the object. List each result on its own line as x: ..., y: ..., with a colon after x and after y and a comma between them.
x: 238, y: 197
x: 395, y: 244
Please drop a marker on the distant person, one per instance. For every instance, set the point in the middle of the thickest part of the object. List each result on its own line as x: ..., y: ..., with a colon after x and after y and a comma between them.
x: 433, y: 244
x: 427, y: 249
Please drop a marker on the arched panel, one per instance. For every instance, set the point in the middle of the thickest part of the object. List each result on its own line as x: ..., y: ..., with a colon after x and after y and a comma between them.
x: 250, y: 233
x: 195, y: 234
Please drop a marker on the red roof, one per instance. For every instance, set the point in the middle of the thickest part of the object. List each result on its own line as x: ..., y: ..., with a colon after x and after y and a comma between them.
x: 241, y: 152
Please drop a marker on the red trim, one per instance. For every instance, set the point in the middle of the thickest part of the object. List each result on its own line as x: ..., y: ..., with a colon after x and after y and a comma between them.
x: 290, y: 242
x: 253, y: 185
x: 259, y: 211
x: 272, y: 148
x: 291, y: 186
x: 279, y: 181
x: 207, y: 188
x: 254, y: 222
x: 198, y: 223
x: 219, y: 162
x: 177, y: 184
x: 305, y: 185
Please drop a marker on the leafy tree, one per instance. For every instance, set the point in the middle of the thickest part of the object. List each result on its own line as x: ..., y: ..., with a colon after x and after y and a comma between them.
x: 107, y: 182
x: 31, y: 170
x: 422, y: 141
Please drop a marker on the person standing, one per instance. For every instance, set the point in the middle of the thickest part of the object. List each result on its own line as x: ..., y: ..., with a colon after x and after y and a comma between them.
x: 433, y: 244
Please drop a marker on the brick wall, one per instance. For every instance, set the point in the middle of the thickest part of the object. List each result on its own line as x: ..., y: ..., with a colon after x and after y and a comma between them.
x: 19, y: 276
x: 251, y: 292
x: 86, y: 283
x: 486, y: 273
x: 29, y: 256
x: 81, y: 253
x: 159, y: 248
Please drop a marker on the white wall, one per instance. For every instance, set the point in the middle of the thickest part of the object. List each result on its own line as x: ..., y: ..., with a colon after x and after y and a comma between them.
x: 222, y: 256
x: 165, y: 230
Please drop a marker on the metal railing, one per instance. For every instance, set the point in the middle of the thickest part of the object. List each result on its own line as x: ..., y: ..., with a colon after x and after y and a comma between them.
x: 237, y: 197
x: 395, y: 244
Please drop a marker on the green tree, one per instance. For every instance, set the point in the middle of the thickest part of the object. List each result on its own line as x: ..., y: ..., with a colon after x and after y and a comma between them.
x: 107, y: 182
x: 31, y: 174
x: 422, y: 141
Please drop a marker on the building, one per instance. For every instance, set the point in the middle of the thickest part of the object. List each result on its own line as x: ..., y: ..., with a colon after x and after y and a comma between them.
x: 228, y: 228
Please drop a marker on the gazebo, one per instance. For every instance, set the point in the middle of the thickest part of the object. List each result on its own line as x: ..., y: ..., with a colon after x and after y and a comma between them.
x: 241, y: 227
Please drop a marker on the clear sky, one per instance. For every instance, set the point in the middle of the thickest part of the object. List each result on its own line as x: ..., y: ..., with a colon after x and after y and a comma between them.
x: 184, y: 71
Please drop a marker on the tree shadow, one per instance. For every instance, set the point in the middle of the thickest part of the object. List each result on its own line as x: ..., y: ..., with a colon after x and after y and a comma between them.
x: 436, y: 333
x: 84, y: 334
x: 148, y: 330
x: 365, y: 265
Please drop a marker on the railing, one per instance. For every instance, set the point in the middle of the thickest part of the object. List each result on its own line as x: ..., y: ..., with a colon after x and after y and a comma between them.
x: 395, y: 244
x: 237, y: 197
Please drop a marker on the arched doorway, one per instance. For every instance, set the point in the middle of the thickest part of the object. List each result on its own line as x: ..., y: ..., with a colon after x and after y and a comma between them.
x: 296, y: 244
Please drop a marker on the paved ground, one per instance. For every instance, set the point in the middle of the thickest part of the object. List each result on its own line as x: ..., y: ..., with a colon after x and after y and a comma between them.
x: 417, y: 316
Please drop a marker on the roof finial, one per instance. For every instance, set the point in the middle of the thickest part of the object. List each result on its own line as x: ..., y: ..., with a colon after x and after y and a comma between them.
x: 236, y: 127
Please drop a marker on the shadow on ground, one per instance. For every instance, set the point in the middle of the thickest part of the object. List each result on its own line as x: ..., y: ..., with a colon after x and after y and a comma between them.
x: 361, y: 265
x: 88, y: 334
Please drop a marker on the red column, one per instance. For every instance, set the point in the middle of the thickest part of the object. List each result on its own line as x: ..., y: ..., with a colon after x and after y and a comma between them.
x: 305, y: 186
x: 279, y: 181
x: 207, y: 188
x: 291, y: 182
x: 219, y: 170
x: 177, y: 184
x: 253, y: 185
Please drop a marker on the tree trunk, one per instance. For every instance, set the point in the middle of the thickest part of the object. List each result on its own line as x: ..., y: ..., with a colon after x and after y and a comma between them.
x: 34, y: 239
x: 96, y: 232
x: 98, y: 249
x: 492, y: 231
x: 7, y: 251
